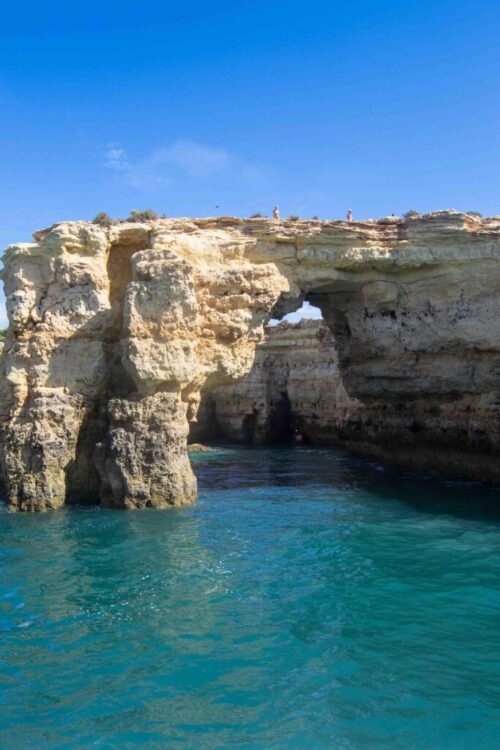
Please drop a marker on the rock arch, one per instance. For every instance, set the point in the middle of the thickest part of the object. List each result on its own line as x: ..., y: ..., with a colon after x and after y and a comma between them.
x: 413, y: 305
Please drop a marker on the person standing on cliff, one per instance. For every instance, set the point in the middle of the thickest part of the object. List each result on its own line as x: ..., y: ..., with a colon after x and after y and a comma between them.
x: 349, y: 216
x: 276, y: 213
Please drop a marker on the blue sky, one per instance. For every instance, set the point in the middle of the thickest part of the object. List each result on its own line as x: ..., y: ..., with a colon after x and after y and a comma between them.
x: 320, y: 106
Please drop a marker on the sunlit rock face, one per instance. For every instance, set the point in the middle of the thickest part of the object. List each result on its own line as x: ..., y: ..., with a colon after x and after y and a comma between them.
x: 114, y: 334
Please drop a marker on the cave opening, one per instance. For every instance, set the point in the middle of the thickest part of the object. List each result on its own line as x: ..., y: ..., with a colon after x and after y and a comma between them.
x: 279, y: 400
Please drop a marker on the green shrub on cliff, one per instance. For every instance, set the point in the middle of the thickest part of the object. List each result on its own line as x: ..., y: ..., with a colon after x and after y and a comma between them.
x: 411, y: 214
x: 293, y: 217
x: 258, y: 215
x: 146, y: 215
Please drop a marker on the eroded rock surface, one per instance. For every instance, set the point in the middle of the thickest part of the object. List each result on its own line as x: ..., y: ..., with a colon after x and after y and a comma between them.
x: 114, y: 333
x: 294, y: 383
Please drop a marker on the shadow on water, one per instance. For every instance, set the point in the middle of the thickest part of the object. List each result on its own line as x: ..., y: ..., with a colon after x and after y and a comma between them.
x: 234, y: 467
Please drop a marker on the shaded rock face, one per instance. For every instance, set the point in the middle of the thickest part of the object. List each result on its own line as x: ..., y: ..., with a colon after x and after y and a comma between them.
x: 294, y: 384
x: 114, y: 334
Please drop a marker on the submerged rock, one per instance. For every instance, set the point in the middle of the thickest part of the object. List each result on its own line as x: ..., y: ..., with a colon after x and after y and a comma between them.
x: 198, y: 448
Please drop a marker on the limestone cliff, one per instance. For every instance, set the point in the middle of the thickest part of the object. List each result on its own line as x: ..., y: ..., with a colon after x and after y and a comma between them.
x: 294, y: 382
x: 114, y: 333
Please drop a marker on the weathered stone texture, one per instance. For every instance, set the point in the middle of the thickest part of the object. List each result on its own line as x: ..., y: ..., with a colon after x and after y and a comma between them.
x: 294, y: 383
x: 114, y: 334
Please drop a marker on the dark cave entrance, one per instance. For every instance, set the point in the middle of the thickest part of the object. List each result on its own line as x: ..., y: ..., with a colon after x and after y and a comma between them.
x: 270, y: 405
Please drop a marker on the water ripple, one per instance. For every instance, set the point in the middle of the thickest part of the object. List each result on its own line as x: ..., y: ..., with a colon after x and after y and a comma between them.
x: 309, y: 600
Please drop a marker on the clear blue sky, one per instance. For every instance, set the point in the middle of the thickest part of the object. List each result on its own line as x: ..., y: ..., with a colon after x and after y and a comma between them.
x: 320, y: 106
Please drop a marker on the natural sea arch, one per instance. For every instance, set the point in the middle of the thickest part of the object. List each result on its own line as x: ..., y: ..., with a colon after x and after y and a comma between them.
x: 114, y: 334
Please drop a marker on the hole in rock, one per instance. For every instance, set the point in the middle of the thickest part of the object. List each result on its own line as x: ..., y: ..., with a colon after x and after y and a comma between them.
x: 83, y: 482
x: 277, y: 400
x: 305, y: 312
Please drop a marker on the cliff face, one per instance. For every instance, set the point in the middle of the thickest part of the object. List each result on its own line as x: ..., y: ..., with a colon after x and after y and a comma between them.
x: 294, y: 383
x: 114, y: 333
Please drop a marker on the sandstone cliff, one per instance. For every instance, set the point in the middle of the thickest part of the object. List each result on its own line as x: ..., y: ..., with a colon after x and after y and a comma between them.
x: 114, y: 333
x: 294, y: 383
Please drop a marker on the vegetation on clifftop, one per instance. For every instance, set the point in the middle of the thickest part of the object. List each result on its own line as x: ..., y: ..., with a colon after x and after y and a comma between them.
x: 147, y: 215
x: 105, y: 220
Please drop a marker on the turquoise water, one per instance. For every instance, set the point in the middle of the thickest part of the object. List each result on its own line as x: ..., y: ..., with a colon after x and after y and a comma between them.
x: 310, y: 600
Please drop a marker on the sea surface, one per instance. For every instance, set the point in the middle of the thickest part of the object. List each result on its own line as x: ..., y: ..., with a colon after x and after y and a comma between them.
x: 309, y: 600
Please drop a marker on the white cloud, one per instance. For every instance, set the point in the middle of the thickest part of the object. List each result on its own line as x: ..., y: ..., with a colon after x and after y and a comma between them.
x: 116, y: 158
x: 196, y: 159
x: 145, y: 179
x: 162, y: 166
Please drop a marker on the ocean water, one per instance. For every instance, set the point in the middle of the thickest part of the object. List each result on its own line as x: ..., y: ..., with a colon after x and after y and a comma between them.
x: 309, y: 600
